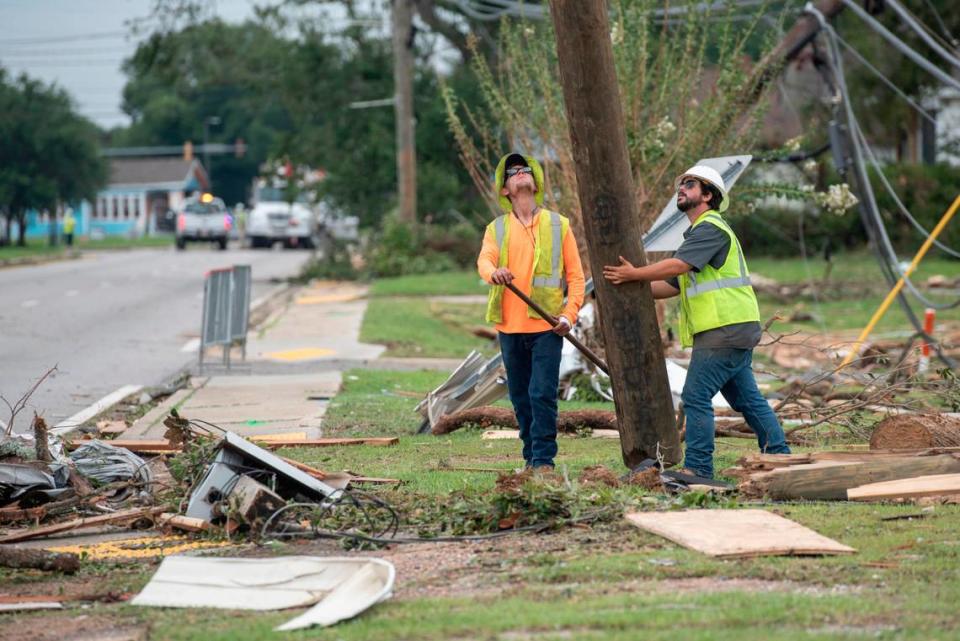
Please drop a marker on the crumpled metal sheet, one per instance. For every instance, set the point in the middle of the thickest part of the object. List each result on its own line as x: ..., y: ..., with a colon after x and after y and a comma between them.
x: 339, y: 588
x: 476, y: 381
x: 105, y: 463
x: 18, y: 481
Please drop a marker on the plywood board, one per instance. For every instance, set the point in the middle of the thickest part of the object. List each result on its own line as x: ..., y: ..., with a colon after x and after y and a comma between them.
x: 933, y: 485
x: 731, y: 534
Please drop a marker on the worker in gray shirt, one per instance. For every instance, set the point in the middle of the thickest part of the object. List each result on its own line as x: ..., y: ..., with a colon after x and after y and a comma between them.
x: 719, y: 318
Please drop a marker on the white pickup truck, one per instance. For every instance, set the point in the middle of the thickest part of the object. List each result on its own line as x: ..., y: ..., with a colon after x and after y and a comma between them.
x: 205, y: 219
x: 273, y: 220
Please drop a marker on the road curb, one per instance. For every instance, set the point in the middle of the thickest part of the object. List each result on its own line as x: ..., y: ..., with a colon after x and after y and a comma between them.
x: 94, y: 409
x: 24, y: 261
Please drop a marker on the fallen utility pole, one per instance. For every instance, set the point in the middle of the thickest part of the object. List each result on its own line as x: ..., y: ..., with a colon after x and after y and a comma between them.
x: 628, y: 320
x: 586, y: 351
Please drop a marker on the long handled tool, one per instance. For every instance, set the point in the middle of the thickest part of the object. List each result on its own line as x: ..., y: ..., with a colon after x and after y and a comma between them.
x: 586, y: 351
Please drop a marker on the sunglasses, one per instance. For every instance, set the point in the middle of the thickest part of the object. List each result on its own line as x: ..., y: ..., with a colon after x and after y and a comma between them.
x: 513, y: 171
x: 688, y: 184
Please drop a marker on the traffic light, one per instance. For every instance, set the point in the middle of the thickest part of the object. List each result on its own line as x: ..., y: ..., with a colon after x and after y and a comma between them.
x: 188, y: 151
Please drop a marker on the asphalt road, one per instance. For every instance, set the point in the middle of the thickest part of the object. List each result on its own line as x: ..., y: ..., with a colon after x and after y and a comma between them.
x: 110, y: 319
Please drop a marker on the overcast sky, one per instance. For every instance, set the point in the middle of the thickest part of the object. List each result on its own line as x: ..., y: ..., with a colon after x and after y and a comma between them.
x: 80, y: 45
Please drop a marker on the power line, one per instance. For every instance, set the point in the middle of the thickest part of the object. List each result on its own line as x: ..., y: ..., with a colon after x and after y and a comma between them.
x: 67, y: 52
x: 921, y: 30
x: 866, y: 63
x: 903, y: 47
x: 101, y: 35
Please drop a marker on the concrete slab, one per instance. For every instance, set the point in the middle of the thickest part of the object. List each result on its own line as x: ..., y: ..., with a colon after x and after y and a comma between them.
x: 251, y: 405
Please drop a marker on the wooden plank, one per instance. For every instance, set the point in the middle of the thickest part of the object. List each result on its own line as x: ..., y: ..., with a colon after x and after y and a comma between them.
x: 328, y: 442
x: 104, y: 519
x: 155, y: 446
x: 911, y: 488
x: 283, y: 436
x: 732, y: 534
x: 185, y: 523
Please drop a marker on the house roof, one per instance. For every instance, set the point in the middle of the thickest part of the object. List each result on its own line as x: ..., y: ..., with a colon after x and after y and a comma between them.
x: 154, y: 170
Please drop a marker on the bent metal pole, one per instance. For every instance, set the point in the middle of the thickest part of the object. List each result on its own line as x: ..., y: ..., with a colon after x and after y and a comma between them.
x: 586, y: 351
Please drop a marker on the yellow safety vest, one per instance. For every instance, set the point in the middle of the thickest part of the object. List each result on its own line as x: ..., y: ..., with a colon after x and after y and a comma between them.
x: 716, y: 297
x: 548, y: 274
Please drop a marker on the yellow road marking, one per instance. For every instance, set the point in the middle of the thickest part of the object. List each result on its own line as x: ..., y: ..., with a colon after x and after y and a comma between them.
x: 301, y: 354
x: 326, y: 298
x: 139, y: 548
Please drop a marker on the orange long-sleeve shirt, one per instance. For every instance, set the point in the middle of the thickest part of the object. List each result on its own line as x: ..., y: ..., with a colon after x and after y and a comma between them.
x: 520, y: 262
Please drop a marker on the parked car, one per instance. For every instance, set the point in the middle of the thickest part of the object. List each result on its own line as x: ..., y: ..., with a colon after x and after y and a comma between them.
x: 205, y: 219
x: 273, y: 219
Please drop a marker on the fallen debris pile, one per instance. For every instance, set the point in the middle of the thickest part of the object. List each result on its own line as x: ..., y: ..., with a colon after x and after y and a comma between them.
x: 830, y: 475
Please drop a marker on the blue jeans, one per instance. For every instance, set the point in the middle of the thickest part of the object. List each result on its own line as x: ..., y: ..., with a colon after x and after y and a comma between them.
x: 533, y: 375
x: 728, y: 371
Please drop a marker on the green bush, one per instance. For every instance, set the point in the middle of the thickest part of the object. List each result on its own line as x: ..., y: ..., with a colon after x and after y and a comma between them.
x: 400, y: 249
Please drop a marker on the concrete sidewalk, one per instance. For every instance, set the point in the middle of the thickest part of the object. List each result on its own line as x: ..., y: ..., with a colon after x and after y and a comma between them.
x: 321, y: 323
x: 294, y: 364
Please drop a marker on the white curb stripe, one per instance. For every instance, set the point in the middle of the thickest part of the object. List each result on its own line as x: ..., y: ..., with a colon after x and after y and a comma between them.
x: 104, y: 403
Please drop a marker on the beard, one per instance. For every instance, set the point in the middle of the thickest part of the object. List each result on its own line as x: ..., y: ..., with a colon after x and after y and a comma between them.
x: 686, y: 204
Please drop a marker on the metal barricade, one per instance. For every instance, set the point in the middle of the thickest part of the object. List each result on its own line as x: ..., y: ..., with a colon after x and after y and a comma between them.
x: 226, y: 311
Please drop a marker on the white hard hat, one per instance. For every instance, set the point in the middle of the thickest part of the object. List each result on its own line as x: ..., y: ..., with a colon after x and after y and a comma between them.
x: 708, y: 175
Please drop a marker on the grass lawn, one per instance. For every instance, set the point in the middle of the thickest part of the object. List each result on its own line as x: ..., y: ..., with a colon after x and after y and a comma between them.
x: 605, y: 580
x: 411, y: 326
x: 442, y: 284
x: 609, y: 580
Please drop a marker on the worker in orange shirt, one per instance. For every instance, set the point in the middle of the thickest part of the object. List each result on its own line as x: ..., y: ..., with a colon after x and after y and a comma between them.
x: 535, y: 250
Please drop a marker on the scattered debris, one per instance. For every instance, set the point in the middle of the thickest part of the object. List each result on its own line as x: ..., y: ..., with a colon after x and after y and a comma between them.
x: 475, y: 382
x: 915, y: 431
x: 105, y: 463
x: 236, y: 453
x: 337, y: 588
x: 733, y: 534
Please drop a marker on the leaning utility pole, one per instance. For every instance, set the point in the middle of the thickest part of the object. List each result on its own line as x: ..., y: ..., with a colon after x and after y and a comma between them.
x: 403, y: 96
x: 638, y: 371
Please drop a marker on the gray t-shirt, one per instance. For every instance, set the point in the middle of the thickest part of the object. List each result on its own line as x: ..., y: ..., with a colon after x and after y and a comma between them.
x: 705, y: 245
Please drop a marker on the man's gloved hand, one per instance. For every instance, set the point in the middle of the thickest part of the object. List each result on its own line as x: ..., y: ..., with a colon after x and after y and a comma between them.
x: 563, y: 326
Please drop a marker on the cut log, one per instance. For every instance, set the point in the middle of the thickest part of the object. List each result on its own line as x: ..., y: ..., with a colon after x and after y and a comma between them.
x: 912, y: 488
x: 830, y: 480
x: 916, y: 431
x: 12, y: 556
x: 486, y: 417
x: 489, y: 418
x: 124, y: 516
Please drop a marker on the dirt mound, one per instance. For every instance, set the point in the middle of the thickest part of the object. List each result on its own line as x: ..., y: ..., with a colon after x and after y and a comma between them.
x: 599, y: 475
x: 648, y: 479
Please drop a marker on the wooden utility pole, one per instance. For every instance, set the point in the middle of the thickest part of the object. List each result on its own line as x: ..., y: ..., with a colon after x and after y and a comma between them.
x: 628, y: 320
x: 403, y: 107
